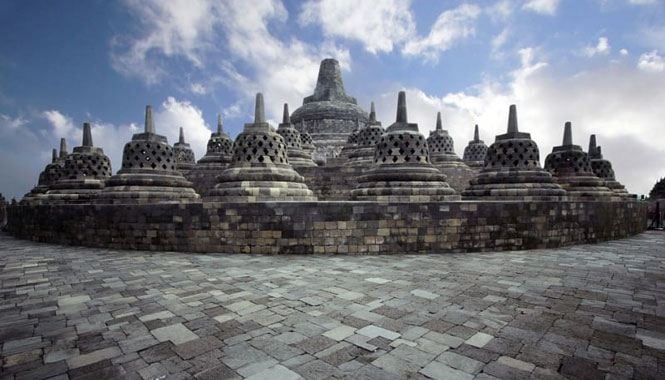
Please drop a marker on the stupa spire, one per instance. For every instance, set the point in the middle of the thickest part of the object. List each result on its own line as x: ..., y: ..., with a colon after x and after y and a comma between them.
x: 87, y: 135
x: 220, y: 125
x: 401, y: 108
x: 63, y: 148
x: 149, y: 125
x: 568, y: 134
x: 439, y: 124
x: 329, y: 85
x: 512, y: 119
x: 286, y: 117
x: 476, y: 134
x: 372, y: 113
x: 181, y: 139
x: 592, y: 144
x: 54, y: 155
x: 259, y: 109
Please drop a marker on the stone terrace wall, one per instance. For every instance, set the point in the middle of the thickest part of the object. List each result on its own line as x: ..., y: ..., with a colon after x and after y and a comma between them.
x: 330, y: 227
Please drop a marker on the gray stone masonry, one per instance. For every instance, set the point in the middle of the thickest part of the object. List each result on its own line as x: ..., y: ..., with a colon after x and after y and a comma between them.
x: 512, y: 170
x: 603, y: 169
x: 298, y: 158
x: 475, y: 151
x: 260, y: 169
x: 83, y: 174
x: 218, y: 155
x: 590, y: 311
x: 51, y: 173
x: 571, y: 168
x: 442, y: 154
x: 329, y: 115
x: 362, y: 156
x: 184, y: 155
x: 402, y: 171
x: 149, y: 172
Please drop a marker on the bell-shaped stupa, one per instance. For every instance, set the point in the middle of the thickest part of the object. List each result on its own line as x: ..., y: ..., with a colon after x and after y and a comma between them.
x: 402, y: 171
x: 368, y: 137
x: 298, y: 158
x: 329, y: 114
x: 603, y: 169
x: 475, y: 151
x: 260, y: 169
x: 148, y: 173
x: 51, y: 173
x: 84, y: 173
x: 218, y: 155
x: 512, y: 170
x: 184, y: 155
x: 350, y: 145
x: 442, y: 154
x: 571, y: 169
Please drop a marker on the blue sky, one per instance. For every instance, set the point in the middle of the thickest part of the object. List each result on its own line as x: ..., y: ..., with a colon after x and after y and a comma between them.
x: 597, y: 63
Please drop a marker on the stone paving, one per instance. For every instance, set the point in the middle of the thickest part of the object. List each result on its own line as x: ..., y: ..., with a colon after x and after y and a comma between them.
x: 591, y: 311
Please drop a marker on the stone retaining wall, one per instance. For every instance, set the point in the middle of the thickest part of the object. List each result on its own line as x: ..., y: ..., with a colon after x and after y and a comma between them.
x: 330, y: 227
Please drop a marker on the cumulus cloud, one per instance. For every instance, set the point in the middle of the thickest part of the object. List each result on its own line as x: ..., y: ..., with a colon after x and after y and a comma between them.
x: 450, y: 27
x: 622, y: 112
x: 544, y: 7
x: 377, y: 25
x: 601, y: 48
x: 173, y: 114
x: 651, y: 62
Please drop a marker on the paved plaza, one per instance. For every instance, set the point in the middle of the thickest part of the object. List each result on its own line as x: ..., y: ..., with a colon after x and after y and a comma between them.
x: 589, y: 311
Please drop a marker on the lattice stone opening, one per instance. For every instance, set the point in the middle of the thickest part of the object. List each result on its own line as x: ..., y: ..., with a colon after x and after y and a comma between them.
x: 440, y: 144
x: 220, y: 145
x: 575, y: 161
x: 261, y: 148
x: 85, y: 165
x: 291, y: 137
x: 513, y: 154
x: 185, y: 156
x: 603, y: 169
x: 476, y: 152
x: 148, y: 155
x: 401, y: 148
x: 369, y: 136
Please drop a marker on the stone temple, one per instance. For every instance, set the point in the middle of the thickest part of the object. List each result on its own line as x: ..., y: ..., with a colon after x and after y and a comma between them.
x: 329, y: 115
x: 389, y: 192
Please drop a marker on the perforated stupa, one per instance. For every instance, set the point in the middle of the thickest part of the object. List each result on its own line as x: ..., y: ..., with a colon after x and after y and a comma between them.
x: 571, y: 169
x: 260, y: 169
x: 298, y: 158
x: 51, y: 173
x: 219, y: 152
x: 475, y: 151
x: 368, y: 137
x: 83, y: 173
x: 184, y: 155
x: 148, y: 173
x: 603, y: 169
x: 402, y: 170
x: 512, y: 169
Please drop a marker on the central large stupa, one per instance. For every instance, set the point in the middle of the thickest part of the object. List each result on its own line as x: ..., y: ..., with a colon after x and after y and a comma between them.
x: 329, y: 115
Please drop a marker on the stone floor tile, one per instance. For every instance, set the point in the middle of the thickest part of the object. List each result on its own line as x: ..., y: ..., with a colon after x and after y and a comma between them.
x: 439, y: 371
x: 177, y: 334
x: 93, y: 357
x: 277, y: 372
x: 479, y: 340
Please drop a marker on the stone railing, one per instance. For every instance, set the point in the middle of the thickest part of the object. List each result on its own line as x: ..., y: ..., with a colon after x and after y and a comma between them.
x: 330, y: 227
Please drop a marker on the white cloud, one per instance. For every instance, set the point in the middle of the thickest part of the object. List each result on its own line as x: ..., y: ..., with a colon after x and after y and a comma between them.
x: 601, y: 48
x: 623, y: 52
x: 544, y: 7
x: 622, y: 112
x: 379, y: 25
x: 450, y: 27
x: 198, y: 88
x: 173, y: 114
x: 9, y: 124
x: 651, y: 62
x: 643, y: 2
x: 499, y: 41
x: 501, y: 10
x: 182, y: 28
x: 62, y: 124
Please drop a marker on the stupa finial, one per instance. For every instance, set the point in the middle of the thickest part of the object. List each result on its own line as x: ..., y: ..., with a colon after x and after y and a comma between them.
x: 181, y: 139
x: 54, y: 155
x: 401, y: 108
x: 357, y: 124
x: 286, y: 117
x: 568, y: 134
x: 372, y: 113
x: 439, y: 124
x: 87, y: 135
x: 259, y: 109
x: 476, y: 134
x: 512, y: 119
x: 63, y: 148
x: 592, y: 144
x: 220, y: 125
x: 149, y: 125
